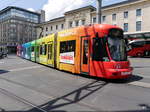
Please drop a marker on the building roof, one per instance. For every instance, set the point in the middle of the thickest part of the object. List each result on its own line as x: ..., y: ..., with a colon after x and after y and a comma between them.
x: 59, y: 18
x: 82, y: 8
x: 13, y: 7
x: 53, y: 20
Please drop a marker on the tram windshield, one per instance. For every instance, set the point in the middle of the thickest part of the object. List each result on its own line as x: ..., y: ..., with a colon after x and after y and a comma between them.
x: 117, y: 45
x: 99, y: 50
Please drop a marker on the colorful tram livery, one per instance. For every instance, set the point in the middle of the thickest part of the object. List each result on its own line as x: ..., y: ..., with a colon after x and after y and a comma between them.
x: 96, y: 50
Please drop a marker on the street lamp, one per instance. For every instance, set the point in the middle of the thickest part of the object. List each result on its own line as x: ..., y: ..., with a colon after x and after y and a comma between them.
x: 99, y: 12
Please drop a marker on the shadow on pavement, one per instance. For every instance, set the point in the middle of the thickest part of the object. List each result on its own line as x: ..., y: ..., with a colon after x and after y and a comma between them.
x: 127, y: 80
x: 131, y: 111
x: 3, y: 71
x: 141, y: 66
x: 68, y: 99
x: 73, y: 97
x: 76, y: 96
x: 141, y: 57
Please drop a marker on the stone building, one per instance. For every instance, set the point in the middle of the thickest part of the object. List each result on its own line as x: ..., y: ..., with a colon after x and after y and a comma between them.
x: 131, y: 15
x: 17, y: 26
x: 73, y: 18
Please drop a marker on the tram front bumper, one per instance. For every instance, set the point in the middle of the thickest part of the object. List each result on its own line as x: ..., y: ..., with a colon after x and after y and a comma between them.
x: 119, y: 73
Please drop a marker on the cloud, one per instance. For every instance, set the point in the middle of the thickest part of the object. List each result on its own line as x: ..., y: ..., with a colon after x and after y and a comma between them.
x: 56, y: 8
x: 31, y: 9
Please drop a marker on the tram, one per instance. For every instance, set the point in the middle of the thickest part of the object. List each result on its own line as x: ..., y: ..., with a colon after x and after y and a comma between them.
x: 96, y: 50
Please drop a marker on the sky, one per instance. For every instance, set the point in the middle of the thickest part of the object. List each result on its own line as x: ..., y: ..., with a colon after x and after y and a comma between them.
x: 53, y: 8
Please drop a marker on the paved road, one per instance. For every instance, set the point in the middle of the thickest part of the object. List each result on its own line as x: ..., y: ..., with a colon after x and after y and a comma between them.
x: 30, y: 87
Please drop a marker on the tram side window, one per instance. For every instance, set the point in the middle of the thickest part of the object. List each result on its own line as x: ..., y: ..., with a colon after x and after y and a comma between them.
x: 49, y: 51
x: 28, y: 50
x: 67, y: 46
x: 99, y: 50
x: 40, y: 49
x: 85, y: 52
x: 32, y: 49
x: 43, y: 49
x: 24, y: 51
x: 37, y: 51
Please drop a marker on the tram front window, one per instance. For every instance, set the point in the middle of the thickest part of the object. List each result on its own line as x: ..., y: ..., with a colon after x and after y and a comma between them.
x: 117, y: 45
x: 99, y: 50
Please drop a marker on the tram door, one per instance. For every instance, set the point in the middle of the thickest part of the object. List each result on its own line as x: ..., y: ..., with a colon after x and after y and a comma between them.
x: 50, y: 53
x: 85, y: 55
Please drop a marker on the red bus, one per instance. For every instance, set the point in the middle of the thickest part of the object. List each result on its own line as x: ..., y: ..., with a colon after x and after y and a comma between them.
x: 139, y: 48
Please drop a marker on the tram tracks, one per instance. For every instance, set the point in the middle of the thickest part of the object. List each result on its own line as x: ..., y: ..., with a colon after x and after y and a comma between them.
x: 52, y: 97
x: 22, y: 100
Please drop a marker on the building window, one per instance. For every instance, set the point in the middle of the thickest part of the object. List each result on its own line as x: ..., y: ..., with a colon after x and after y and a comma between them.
x: 94, y: 20
x: 126, y: 14
x: 77, y: 23
x: 51, y: 28
x: 56, y: 27
x: 83, y: 22
x: 126, y: 27
x: 138, y: 25
x: 138, y: 12
x: 46, y: 28
x: 70, y: 24
x: 114, y: 17
x: 62, y: 26
x: 103, y: 18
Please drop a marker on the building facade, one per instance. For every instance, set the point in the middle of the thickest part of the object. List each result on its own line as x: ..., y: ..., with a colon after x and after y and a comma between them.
x: 17, y: 26
x: 77, y: 17
x: 131, y: 15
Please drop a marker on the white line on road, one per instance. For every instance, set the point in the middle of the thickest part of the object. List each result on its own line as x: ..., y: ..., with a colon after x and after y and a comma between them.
x: 25, y: 68
x: 141, y: 84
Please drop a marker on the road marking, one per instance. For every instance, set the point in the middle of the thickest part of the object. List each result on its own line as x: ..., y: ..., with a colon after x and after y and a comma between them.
x: 141, y: 84
x: 25, y: 68
x: 1, y: 62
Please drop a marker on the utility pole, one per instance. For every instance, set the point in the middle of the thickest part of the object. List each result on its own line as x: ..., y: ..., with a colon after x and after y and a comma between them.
x: 99, y: 12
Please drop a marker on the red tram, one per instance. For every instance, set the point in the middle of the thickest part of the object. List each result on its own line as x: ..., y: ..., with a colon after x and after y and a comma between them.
x: 96, y: 50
